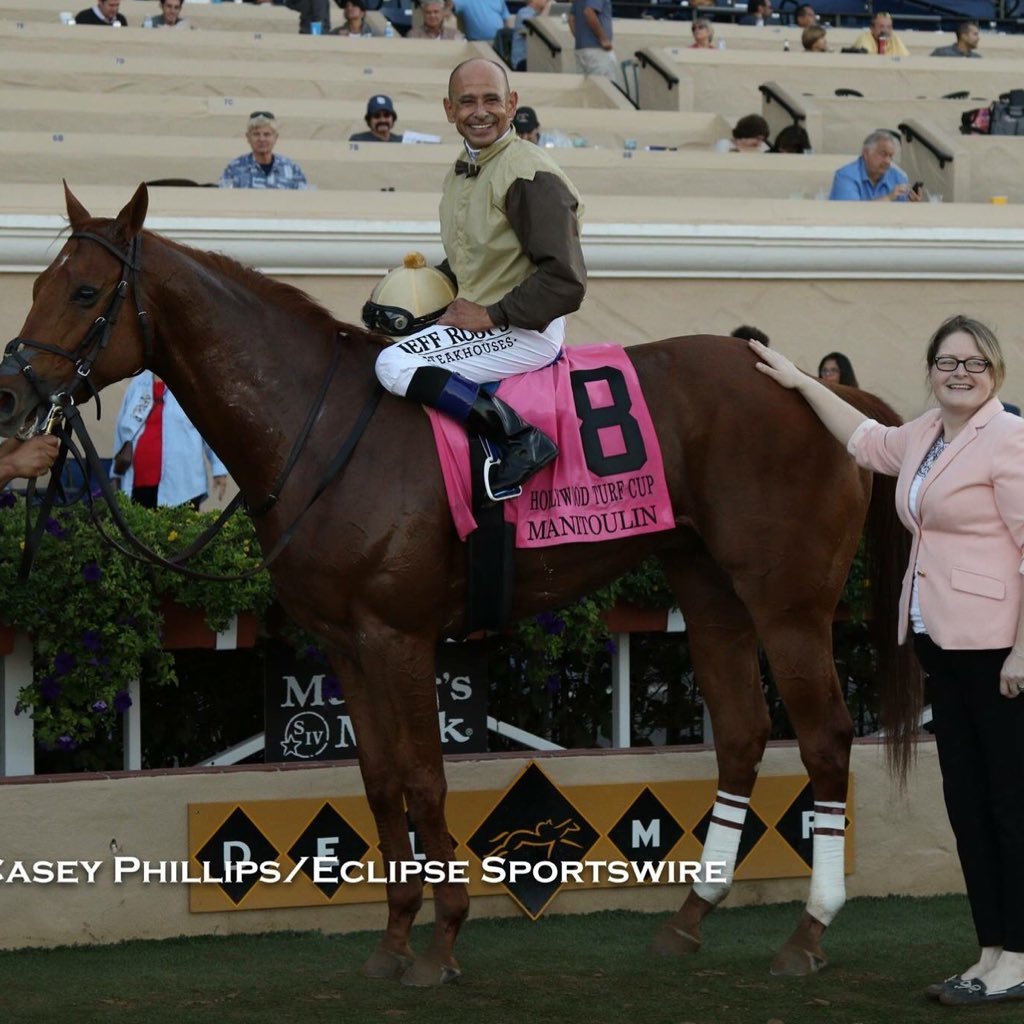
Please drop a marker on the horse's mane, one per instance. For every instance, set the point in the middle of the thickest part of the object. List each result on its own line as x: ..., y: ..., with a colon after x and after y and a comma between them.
x: 292, y: 299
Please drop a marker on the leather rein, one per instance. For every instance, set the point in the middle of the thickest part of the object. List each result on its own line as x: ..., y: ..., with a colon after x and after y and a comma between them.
x: 65, y: 421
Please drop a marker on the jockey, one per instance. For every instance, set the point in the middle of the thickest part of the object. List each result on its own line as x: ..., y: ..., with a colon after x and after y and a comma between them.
x: 510, y: 228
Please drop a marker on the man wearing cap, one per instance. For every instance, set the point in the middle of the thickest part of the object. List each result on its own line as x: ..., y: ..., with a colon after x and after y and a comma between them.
x: 527, y: 126
x: 380, y: 119
x: 103, y: 12
x: 510, y: 225
x: 433, y: 23
x: 261, y: 168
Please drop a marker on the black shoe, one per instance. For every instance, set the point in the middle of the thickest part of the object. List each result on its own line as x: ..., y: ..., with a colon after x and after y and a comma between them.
x: 935, y: 990
x: 524, y: 448
x: 974, y: 993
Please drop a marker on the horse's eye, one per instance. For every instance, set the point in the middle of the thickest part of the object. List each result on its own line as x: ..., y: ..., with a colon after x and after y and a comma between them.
x: 85, y: 293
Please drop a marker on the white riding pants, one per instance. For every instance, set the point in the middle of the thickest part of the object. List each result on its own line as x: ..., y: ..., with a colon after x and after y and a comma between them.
x: 479, y: 356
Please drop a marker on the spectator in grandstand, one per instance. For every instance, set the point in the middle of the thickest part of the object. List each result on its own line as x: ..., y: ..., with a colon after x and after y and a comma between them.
x: 813, y: 39
x: 170, y: 15
x: 311, y: 12
x: 966, y: 45
x: 874, y: 176
x: 526, y: 124
x: 806, y: 16
x: 759, y: 12
x: 481, y: 19
x: 880, y: 38
x: 749, y: 136
x: 433, y: 26
x: 590, y: 22
x: 103, y: 12
x: 355, y: 20
x: 529, y: 10
x: 380, y: 119
x: 28, y: 459
x: 792, y: 139
x: 960, y: 493
x: 160, y: 454
x: 749, y: 333
x: 703, y: 34
x: 261, y: 168
x: 835, y: 368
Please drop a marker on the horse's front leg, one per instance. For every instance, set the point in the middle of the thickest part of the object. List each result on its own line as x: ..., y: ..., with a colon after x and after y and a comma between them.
x: 394, y: 714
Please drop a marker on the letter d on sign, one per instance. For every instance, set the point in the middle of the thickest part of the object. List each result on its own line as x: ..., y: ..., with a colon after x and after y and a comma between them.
x: 230, y: 846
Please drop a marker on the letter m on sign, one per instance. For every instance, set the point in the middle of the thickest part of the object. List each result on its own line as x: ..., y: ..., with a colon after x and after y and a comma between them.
x: 646, y: 835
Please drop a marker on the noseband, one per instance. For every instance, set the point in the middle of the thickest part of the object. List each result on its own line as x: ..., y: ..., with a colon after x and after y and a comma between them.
x: 88, y: 350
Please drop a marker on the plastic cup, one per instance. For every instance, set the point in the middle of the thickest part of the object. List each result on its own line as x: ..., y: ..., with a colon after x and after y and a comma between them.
x: 934, y: 197
x: 997, y: 200
x: 316, y: 28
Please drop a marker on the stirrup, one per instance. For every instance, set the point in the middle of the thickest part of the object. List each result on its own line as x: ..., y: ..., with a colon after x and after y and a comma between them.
x: 492, y: 458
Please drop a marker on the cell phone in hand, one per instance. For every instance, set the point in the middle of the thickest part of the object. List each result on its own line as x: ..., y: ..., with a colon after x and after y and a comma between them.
x: 917, y: 186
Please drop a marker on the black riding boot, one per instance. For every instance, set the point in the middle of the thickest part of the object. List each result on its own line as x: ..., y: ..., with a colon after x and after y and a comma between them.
x: 524, y: 448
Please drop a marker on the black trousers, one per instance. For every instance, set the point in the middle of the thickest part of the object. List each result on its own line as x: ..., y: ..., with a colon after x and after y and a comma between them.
x: 146, y: 497
x: 980, y: 739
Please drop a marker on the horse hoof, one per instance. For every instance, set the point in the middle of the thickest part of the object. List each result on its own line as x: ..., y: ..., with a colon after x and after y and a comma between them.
x: 426, y: 973
x: 672, y: 941
x: 386, y: 966
x: 796, y: 962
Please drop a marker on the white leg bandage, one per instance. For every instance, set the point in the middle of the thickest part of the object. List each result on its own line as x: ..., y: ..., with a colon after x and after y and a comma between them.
x: 722, y: 845
x: 828, y: 879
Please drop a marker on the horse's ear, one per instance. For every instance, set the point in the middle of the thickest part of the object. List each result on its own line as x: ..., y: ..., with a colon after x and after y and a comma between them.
x: 130, y: 220
x: 77, y: 213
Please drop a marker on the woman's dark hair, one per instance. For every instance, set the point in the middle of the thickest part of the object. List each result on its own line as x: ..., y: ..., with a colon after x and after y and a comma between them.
x: 792, y: 139
x: 846, y: 374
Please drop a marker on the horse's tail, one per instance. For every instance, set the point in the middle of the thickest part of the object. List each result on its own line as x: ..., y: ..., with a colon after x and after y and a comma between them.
x: 888, y: 550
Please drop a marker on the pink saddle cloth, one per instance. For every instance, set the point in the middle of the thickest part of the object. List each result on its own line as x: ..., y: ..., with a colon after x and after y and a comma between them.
x: 608, y: 481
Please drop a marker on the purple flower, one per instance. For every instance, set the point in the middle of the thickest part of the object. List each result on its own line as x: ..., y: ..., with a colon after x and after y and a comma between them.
x: 54, y: 529
x: 91, y: 640
x: 99, y: 706
x: 64, y: 663
x: 49, y: 689
x: 553, y: 683
x: 7, y: 499
x: 551, y: 623
x: 313, y: 653
x: 611, y: 646
x: 65, y: 742
x: 91, y: 572
x: 20, y: 709
x: 122, y: 702
x: 332, y: 688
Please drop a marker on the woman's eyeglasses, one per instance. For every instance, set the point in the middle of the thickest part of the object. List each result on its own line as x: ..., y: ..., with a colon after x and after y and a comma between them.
x: 947, y: 364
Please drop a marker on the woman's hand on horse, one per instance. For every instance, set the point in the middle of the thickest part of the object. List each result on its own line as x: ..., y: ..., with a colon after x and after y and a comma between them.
x: 775, y: 365
x: 468, y: 315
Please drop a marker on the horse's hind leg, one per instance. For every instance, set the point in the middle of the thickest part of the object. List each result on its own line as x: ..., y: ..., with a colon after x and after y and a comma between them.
x: 723, y: 647
x: 799, y: 647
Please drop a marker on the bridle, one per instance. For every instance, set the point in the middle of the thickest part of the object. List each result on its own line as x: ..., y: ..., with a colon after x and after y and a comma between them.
x: 65, y: 421
x: 88, y: 350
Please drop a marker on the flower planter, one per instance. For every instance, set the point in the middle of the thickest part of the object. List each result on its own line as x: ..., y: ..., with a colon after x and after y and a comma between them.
x: 186, y: 629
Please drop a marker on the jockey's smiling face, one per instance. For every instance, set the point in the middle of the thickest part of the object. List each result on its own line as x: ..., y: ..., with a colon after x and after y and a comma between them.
x: 479, y: 103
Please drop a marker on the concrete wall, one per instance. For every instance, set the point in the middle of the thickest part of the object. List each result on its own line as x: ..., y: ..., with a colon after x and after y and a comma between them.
x: 903, y: 843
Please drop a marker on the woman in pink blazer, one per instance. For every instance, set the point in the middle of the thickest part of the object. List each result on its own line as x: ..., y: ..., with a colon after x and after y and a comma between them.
x: 960, y: 492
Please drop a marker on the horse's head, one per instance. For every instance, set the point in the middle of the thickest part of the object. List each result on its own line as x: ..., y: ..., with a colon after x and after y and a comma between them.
x: 85, y: 327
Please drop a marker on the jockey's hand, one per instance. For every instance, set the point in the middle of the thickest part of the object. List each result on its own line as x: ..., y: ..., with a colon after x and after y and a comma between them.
x: 467, y: 315
x: 775, y: 365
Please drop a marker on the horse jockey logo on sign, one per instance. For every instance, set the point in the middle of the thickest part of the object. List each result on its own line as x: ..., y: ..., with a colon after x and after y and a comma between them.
x: 534, y: 822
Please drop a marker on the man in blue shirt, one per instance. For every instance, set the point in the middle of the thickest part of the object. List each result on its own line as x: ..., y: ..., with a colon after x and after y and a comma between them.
x: 591, y: 23
x: 481, y: 19
x: 260, y: 168
x: 873, y: 176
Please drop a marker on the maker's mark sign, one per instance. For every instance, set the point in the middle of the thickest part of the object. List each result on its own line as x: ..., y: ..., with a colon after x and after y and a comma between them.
x: 306, y: 718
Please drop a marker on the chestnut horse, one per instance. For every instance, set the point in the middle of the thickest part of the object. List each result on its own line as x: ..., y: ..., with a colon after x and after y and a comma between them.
x: 769, y: 507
